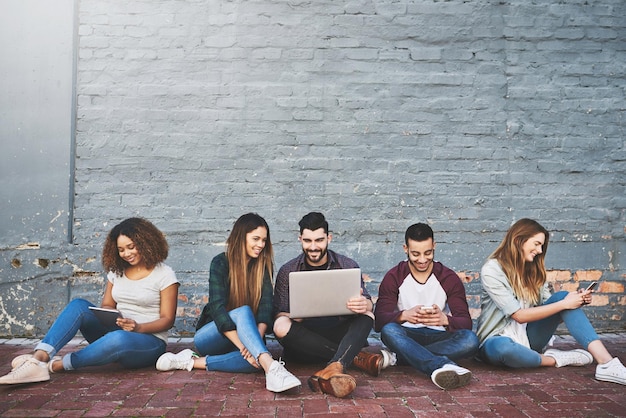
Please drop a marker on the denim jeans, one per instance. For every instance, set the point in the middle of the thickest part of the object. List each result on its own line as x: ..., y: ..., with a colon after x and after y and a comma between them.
x: 427, y: 349
x: 499, y: 350
x: 340, y: 341
x: 221, y: 354
x: 106, y: 345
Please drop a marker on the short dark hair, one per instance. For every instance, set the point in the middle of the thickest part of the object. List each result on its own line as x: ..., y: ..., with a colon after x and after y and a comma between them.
x: 418, y: 232
x: 313, y: 221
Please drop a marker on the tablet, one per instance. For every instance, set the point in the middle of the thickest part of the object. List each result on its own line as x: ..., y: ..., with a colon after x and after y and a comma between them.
x: 106, y: 316
x: 321, y: 293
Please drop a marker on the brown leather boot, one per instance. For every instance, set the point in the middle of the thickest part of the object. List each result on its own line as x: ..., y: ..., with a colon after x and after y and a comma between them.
x: 332, y: 380
x: 370, y: 363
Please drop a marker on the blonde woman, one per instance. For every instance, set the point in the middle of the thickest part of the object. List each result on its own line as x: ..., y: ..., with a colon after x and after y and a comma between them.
x: 519, y: 315
x: 233, y: 324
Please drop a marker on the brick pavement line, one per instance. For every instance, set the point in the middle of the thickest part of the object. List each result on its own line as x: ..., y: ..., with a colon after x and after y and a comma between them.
x: 397, y: 392
x: 372, y: 340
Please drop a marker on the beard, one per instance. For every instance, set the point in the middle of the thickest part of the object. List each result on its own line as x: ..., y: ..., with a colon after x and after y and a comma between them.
x: 322, y: 254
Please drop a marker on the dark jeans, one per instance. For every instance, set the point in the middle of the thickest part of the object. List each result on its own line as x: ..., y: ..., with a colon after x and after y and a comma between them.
x: 341, y: 342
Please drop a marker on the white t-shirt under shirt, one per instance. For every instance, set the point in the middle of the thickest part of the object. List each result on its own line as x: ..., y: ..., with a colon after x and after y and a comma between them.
x: 411, y: 293
x: 141, y: 299
x: 516, y: 331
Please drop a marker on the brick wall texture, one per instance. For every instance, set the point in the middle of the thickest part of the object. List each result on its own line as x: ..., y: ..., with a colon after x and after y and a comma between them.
x: 379, y: 113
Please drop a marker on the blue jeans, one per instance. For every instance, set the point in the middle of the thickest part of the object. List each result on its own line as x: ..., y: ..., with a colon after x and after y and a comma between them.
x: 499, y: 350
x: 106, y: 345
x: 221, y: 354
x: 427, y: 349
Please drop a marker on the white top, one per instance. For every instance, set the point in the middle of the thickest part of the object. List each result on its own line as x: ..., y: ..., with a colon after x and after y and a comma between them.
x: 412, y: 293
x: 141, y: 299
x: 516, y: 331
x: 498, y: 302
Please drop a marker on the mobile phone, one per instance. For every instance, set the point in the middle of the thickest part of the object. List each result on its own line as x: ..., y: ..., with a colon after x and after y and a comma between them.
x: 592, y: 286
x: 426, y: 309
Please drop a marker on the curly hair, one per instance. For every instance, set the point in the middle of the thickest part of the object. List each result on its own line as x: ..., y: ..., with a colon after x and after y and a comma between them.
x: 149, y: 241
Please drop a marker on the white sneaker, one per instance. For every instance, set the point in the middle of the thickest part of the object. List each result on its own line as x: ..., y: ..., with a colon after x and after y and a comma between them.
x: 389, y: 358
x: 278, y: 379
x: 30, y: 371
x: 19, y: 360
x: 451, y: 376
x: 180, y: 361
x: 576, y: 357
x: 613, y: 371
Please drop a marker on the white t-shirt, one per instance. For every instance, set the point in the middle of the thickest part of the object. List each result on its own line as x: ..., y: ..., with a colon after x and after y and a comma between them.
x: 411, y: 293
x: 516, y: 331
x: 141, y: 299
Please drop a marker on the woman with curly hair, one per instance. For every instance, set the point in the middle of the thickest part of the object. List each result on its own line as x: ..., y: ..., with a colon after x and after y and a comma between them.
x: 139, y: 285
x: 231, y: 330
x: 519, y: 315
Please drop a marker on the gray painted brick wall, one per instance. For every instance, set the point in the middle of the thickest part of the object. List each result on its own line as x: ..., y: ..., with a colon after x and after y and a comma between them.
x: 381, y: 113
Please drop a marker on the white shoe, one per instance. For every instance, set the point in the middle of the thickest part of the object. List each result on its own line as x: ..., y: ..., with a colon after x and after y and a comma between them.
x: 576, y: 357
x: 389, y: 358
x: 30, y: 371
x: 451, y: 376
x: 613, y: 371
x: 19, y: 360
x: 278, y: 379
x: 180, y: 361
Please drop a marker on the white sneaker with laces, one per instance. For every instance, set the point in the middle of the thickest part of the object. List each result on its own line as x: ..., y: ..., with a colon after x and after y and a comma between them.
x: 613, y: 371
x: 30, y: 371
x: 278, y: 379
x: 389, y: 358
x: 180, y: 361
x: 19, y: 360
x: 451, y: 376
x: 577, y: 357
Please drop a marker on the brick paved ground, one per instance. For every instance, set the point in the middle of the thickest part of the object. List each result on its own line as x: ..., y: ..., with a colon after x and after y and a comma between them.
x: 398, y: 392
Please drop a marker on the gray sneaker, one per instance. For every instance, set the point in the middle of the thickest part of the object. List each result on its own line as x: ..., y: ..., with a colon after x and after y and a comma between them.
x: 613, y: 371
x: 30, y: 371
x: 451, y: 376
x: 577, y: 357
x: 278, y: 379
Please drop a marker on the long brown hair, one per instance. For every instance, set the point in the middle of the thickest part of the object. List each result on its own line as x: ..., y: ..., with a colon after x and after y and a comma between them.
x: 246, y: 274
x: 526, y: 278
x: 149, y: 241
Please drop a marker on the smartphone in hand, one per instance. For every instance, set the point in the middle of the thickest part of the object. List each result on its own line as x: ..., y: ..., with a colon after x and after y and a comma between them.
x: 426, y: 309
x: 592, y: 286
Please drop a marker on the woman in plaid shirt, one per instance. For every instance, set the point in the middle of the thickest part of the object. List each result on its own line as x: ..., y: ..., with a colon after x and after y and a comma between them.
x: 233, y: 324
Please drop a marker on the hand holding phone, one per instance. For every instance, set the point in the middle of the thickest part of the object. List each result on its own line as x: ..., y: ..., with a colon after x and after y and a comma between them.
x: 426, y: 309
x: 589, y: 289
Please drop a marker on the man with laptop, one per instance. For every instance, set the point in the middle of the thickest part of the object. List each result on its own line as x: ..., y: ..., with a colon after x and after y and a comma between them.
x: 312, y: 327
x: 422, y: 313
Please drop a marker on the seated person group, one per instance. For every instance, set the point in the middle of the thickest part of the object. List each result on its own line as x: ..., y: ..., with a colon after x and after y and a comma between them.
x: 421, y: 313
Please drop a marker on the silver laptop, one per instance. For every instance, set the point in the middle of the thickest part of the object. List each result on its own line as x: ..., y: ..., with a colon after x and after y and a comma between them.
x: 322, y: 292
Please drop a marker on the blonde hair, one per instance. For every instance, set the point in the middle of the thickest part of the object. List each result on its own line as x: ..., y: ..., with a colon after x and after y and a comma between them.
x: 246, y: 274
x: 526, y: 278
